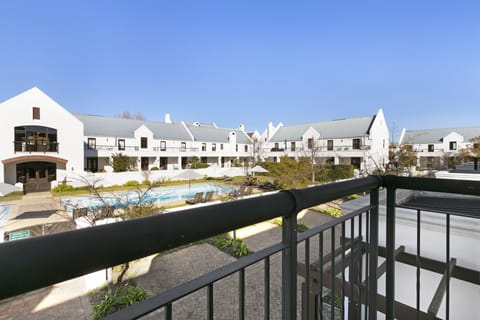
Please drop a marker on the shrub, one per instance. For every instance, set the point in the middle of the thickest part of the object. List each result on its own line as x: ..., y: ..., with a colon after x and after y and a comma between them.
x: 241, y: 249
x: 131, y: 183
x: 154, y: 169
x: 121, y: 297
x: 63, y: 188
x: 301, y: 227
x: 146, y: 183
x: 334, y: 212
x: 122, y: 163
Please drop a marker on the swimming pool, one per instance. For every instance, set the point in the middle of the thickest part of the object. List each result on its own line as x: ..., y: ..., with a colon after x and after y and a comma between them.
x: 119, y: 200
x: 5, y: 213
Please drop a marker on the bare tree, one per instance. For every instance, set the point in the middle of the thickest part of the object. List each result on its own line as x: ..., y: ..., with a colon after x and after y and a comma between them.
x: 313, y: 148
x: 128, y: 115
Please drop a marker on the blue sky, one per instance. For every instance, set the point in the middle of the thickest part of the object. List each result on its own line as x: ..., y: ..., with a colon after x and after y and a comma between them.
x: 249, y: 62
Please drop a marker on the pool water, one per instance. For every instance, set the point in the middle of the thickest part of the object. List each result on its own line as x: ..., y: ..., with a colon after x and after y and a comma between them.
x: 156, y: 196
x: 5, y: 213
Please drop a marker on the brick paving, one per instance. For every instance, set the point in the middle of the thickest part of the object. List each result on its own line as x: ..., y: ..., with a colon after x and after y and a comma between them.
x: 165, y: 271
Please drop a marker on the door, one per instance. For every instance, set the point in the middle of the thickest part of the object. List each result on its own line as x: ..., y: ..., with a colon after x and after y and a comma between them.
x: 144, y: 163
x: 36, y: 176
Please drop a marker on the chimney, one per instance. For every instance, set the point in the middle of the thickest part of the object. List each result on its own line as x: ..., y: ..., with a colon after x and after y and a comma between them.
x: 167, y: 118
x: 242, y: 127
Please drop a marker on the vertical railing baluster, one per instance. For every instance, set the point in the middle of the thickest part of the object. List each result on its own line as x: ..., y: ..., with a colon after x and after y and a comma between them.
x: 447, y: 264
x: 320, y: 270
x: 351, y: 304
x: 168, y: 312
x: 266, y: 288
x: 332, y: 270
x: 372, y: 285
x: 343, y: 269
x: 241, y: 294
x: 307, y: 278
x: 289, y: 265
x: 360, y: 266
x: 210, y: 301
x: 390, y: 255
x: 418, y: 262
x: 367, y: 255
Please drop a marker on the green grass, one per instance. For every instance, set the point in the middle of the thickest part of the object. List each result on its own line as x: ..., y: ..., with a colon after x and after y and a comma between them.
x: 17, y: 195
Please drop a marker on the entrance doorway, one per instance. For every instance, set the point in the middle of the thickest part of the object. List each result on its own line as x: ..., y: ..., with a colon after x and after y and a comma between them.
x: 36, y: 176
x: 144, y: 163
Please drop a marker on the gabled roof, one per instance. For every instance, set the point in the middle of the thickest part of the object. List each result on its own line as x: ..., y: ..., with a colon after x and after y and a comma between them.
x: 436, y: 135
x: 120, y: 127
x: 210, y: 133
x: 343, y: 128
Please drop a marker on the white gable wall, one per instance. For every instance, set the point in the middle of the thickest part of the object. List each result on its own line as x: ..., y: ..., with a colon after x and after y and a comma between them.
x: 378, y: 142
x: 17, y: 111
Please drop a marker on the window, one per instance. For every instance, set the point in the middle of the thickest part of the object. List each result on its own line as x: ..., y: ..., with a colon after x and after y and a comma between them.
x: 236, y: 147
x: 221, y: 146
x: 214, y: 147
x: 246, y: 148
x: 183, y: 146
x: 356, y: 143
x: 121, y: 144
x: 92, y: 143
x: 163, y: 145
x: 330, y: 145
x: 453, y: 145
x: 292, y: 145
x: 310, y: 143
x: 204, y: 147
x: 431, y: 148
x: 36, y: 113
x: 276, y: 147
x: 144, y: 142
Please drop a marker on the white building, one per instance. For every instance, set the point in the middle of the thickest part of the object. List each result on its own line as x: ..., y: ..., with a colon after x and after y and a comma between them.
x: 437, y: 148
x: 37, y: 137
x: 361, y: 142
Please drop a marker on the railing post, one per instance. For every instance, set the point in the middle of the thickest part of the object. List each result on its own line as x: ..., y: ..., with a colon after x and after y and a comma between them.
x: 289, y: 262
x: 390, y: 255
x: 373, y: 254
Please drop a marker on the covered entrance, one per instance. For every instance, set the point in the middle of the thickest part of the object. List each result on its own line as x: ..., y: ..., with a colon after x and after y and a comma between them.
x: 36, y: 175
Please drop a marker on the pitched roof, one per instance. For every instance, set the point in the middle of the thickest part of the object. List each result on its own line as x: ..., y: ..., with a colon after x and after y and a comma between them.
x: 120, y: 127
x: 211, y: 133
x: 342, y: 128
x: 436, y: 135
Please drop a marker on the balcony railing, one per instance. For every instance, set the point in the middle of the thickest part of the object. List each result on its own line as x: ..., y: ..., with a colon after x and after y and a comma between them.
x: 21, y: 146
x: 340, y: 257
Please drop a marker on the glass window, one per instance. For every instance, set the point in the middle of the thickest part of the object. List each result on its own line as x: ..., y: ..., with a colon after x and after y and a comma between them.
x: 221, y: 146
x: 292, y: 145
x: 236, y: 147
x: 330, y: 145
x: 453, y: 145
x: 310, y: 143
x: 204, y: 147
x: 214, y: 147
x: 356, y: 143
x: 121, y: 144
x: 36, y: 113
x: 183, y: 146
x: 431, y: 148
x: 163, y: 145
x: 246, y: 148
x: 144, y: 142
x: 92, y: 143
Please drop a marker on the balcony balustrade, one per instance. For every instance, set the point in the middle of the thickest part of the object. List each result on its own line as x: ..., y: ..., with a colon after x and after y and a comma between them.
x: 22, y: 146
x: 340, y: 257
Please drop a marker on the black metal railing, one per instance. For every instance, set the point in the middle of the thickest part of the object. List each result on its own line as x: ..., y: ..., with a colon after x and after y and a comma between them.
x: 20, y: 146
x: 338, y: 260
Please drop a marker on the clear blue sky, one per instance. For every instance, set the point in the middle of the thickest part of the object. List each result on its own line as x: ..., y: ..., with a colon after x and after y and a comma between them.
x: 249, y: 62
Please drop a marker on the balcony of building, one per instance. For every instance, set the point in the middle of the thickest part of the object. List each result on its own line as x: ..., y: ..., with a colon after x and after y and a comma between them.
x: 350, y: 267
